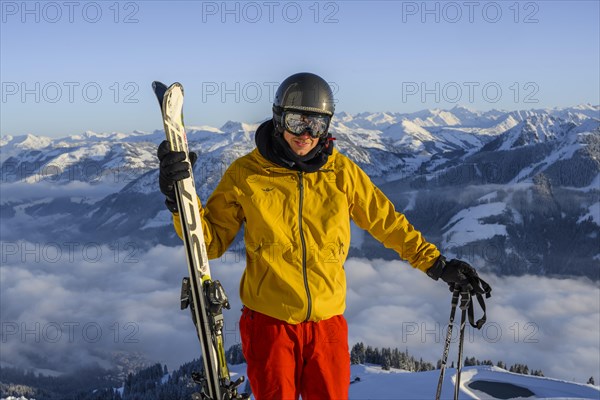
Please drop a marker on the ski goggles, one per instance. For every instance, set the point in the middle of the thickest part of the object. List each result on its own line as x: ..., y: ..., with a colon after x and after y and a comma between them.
x: 316, y: 125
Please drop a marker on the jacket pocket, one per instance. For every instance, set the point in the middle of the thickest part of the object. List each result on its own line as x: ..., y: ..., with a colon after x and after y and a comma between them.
x: 334, y: 252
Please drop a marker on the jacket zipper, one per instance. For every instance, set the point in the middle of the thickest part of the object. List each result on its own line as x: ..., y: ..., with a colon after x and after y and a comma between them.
x: 303, y: 242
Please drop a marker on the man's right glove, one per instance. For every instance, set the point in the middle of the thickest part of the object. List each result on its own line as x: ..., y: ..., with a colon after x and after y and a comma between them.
x: 173, y: 168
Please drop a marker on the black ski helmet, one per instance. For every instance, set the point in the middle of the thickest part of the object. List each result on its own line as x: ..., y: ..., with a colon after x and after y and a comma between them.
x: 303, y: 92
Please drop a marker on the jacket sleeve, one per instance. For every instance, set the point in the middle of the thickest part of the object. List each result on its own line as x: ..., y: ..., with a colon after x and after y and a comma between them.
x: 372, y: 211
x: 222, y: 217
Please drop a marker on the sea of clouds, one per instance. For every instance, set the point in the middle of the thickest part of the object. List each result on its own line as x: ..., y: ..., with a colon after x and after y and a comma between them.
x: 67, y: 306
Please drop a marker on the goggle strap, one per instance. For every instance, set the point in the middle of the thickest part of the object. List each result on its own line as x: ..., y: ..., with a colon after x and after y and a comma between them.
x: 307, y: 109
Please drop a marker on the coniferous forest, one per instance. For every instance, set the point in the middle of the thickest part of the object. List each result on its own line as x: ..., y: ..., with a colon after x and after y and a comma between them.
x: 155, y: 382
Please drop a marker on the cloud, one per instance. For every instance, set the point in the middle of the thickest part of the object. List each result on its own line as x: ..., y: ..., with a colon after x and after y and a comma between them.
x: 20, y: 191
x: 79, y: 307
x: 61, y: 313
x: 548, y: 324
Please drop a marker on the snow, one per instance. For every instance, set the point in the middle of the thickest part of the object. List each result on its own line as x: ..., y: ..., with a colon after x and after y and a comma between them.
x: 372, y: 382
x: 411, y: 202
x: 237, y: 128
x: 546, y: 388
x: 375, y: 383
x: 459, y: 137
x: 13, y: 145
x: 16, y: 398
x: 434, y: 117
x: 502, y: 126
x: 409, y: 140
x: 408, y: 135
x: 595, y: 185
x: 114, y: 218
x: 488, y: 197
x: 590, y: 126
x: 466, y: 226
x: 593, y: 213
x: 163, y: 218
x: 165, y: 378
x: 206, y: 128
x: 381, y: 119
x: 534, y: 129
x: 32, y: 142
x: 359, y: 137
x: 5, y: 139
x: 565, y: 151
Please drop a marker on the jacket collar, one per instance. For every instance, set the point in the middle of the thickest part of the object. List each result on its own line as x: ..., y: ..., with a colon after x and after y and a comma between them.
x: 273, y: 147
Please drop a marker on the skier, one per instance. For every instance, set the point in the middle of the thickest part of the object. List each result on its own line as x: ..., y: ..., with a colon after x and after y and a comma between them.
x: 296, y: 194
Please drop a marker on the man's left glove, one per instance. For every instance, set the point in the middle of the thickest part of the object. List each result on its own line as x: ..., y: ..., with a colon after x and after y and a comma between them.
x: 462, y: 277
x: 453, y: 272
x: 173, y: 168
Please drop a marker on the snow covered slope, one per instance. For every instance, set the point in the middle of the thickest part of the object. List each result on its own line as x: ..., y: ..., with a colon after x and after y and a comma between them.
x: 371, y: 382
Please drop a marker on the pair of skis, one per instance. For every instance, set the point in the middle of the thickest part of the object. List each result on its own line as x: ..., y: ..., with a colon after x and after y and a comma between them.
x: 205, y: 297
x: 466, y: 306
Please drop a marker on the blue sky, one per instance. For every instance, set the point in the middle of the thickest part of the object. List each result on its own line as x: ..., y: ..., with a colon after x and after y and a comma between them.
x: 68, y: 67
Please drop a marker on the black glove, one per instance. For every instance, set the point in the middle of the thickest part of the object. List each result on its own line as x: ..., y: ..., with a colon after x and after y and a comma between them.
x: 454, y: 272
x: 462, y: 277
x: 173, y: 168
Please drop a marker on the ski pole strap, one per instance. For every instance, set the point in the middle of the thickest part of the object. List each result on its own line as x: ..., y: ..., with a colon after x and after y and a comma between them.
x: 473, y: 287
x: 480, y: 288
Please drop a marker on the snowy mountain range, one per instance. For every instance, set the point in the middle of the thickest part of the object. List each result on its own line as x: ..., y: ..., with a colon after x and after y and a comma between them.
x: 514, y: 192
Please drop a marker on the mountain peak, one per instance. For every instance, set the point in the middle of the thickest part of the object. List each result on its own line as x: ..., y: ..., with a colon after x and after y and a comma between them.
x: 32, y: 142
x: 460, y: 107
x: 232, y: 126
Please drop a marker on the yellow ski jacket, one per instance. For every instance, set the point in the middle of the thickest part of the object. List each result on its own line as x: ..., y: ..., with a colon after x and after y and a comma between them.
x: 297, y: 232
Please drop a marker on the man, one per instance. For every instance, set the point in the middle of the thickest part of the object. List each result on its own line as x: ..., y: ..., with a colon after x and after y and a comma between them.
x: 296, y: 195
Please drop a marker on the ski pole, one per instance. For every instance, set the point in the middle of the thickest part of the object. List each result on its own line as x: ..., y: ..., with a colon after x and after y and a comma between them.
x: 454, y: 303
x: 465, y: 301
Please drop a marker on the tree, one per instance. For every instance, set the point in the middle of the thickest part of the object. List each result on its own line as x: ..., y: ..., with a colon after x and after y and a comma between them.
x: 370, y: 354
x: 386, y: 364
x: 386, y: 359
x: 469, y: 362
x: 357, y: 354
x: 234, y: 354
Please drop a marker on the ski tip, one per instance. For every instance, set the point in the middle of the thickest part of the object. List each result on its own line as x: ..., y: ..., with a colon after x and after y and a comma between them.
x: 159, y: 89
x: 177, y: 84
x: 158, y: 85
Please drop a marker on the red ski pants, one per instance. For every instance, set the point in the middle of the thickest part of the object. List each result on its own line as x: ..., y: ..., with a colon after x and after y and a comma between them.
x: 284, y: 360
